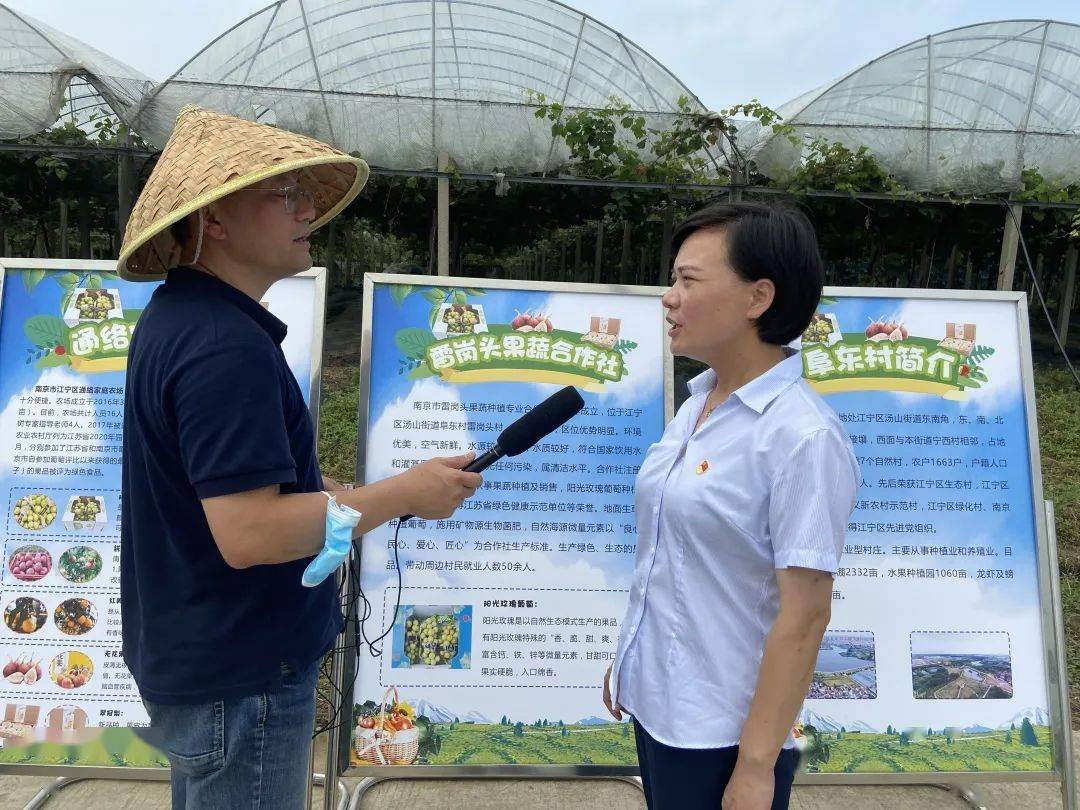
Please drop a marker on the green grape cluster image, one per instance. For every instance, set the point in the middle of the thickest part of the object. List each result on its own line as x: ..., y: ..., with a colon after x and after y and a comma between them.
x: 432, y: 640
x: 94, y: 304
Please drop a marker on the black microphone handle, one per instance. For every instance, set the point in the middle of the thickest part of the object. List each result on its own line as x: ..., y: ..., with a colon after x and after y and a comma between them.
x: 479, y: 464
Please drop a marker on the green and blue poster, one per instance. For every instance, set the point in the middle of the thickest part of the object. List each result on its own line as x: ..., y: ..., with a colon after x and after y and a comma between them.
x: 65, y: 328
x: 510, y: 609
x: 935, y: 657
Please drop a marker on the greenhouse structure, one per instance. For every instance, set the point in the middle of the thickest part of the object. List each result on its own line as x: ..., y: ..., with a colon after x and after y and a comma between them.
x: 467, y: 91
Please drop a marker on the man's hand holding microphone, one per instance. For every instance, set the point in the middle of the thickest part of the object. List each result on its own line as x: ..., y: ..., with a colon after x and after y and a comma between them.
x: 435, y: 489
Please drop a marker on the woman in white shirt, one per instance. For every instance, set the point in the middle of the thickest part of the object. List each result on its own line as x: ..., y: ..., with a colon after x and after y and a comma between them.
x: 741, y: 511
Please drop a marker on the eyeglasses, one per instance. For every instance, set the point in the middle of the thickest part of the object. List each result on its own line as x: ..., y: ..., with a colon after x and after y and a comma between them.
x: 295, y: 196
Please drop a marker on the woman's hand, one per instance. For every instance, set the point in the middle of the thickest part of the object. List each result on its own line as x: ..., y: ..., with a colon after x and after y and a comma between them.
x: 750, y: 788
x: 614, y: 708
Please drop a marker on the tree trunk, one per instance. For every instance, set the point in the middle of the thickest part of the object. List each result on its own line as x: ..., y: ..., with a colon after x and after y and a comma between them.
x: 923, y: 277
x: 41, y: 241
x: 345, y: 251
x: 624, y: 259
x: 431, y: 243
x: 458, y: 256
x: 329, y: 255
x: 969, y: 272
x: 950, y: 267
x: 1037, y: 277
x: 63, y: 233
x: 84, y: 226
x: 665, y: 245
x: 599, y: 251
x: 577, y: 256
x: 1068, y: 293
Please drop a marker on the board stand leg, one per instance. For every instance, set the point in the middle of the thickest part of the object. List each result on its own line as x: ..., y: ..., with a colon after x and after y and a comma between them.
x: 49, y: 791
x: 62, y: 782
x: 367, y: 783
x: 340, y: 796
x: 1063, y: 739
x: 966, y: 794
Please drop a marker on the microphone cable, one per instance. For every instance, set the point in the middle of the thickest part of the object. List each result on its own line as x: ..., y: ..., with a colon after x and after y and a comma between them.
x: 350, y: 598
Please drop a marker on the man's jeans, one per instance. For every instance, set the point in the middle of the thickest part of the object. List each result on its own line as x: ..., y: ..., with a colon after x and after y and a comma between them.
x: 251, y: 752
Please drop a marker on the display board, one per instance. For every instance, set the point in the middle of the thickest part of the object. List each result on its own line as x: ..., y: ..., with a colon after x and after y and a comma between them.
x: 510, y: 610
x: 68, y: 701
x: 941, y: 658
x: 936, y: 656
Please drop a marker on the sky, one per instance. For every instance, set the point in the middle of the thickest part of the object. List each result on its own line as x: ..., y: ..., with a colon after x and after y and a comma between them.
x: 726, y: 52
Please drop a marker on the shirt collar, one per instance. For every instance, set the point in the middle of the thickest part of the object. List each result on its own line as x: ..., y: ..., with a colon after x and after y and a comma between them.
x: 189, y: 278
x: 759, y: 393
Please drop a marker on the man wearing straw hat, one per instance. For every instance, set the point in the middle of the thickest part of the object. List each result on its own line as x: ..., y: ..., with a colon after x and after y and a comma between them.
x: 223, y: 501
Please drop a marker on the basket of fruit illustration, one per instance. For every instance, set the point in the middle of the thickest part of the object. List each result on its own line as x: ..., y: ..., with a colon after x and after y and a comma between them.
x: 389, y: 737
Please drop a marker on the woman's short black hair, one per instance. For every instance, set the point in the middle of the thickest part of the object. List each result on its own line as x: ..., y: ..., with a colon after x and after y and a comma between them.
x: 775, y: 242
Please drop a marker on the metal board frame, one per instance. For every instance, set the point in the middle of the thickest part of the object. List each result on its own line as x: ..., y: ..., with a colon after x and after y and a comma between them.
x: 314, y: 390
x: 344, y: 670
x: 1050, y: 608
x: 1050, y: 604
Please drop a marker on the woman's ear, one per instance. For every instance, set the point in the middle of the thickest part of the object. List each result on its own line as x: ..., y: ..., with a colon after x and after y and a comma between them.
x: 762, y: 295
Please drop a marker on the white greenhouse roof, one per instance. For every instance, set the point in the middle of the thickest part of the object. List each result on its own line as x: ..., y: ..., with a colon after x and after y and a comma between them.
x: 38, y: 62
x: 399, y: 81
x: 965, y: 110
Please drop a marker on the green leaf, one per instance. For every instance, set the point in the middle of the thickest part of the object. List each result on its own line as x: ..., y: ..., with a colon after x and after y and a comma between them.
x: 435, y: 296
x: 46, y: 331
x: 67, y: 280
x: 412, y: 342
x: 459, y: 297
x: 31, y: 278
x: 53, y: 359
x: 474, y: 291
x: 93, y: 282
x: 108, y: 276
x: 420, y: 372
x: 399, y: 292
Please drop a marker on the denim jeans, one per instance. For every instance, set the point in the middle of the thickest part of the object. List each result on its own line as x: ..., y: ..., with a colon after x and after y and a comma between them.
x: 250, y: 752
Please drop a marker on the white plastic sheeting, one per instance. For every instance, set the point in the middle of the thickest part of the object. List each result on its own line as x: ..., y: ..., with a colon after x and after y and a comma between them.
x: 399, y: 81
x: 38, y: 62
x: 966, y: 110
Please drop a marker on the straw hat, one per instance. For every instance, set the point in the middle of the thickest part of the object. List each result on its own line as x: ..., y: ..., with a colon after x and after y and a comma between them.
x: 209, y: 156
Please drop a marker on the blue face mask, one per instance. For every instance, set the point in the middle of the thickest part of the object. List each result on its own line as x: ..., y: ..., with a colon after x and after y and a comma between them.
x: 340, y: 522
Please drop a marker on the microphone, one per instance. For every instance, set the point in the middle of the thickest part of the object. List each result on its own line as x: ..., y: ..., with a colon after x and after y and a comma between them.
x: 519, y: 436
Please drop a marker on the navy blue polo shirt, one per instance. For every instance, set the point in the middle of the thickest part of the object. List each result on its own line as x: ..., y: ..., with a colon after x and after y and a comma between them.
x: 211, y: 408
